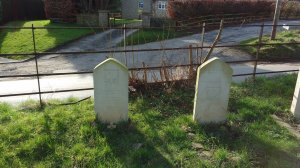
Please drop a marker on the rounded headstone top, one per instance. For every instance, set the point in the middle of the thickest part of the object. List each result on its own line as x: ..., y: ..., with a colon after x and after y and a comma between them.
x: 216, y: 60
x: 111, y: 61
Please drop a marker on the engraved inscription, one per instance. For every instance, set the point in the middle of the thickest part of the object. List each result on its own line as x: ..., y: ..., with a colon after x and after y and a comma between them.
x: 111, y: 91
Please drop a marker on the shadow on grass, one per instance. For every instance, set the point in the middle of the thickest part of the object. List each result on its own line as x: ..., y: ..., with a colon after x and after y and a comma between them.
x: 4, y: 31
x: 277, y: 53
x: 154, y: 137
x: 4, y: 39
x: 249, y: 126
x: 132, y: 148
x: 135, y: 146
x: 263, y: 153
x: 62, y: 36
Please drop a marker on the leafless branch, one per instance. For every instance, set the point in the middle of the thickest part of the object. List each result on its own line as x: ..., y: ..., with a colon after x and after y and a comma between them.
x: 214, y: 43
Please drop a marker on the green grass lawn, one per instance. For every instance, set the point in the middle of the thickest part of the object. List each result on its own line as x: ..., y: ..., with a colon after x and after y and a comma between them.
x: 20, y: 40
x: 161, y: 132
x: 276, y: 52
x: 121, y: 22
x: 147, y: 35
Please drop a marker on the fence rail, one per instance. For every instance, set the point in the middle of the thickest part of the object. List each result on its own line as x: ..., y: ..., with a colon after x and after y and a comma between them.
x: 37, y: 54
x: 137, y: 27
x: 147, y: 50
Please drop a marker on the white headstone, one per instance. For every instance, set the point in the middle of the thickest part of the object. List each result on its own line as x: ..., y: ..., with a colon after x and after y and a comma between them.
x: 111, y: 91
x: 212, y: 91
x: 295, y: 108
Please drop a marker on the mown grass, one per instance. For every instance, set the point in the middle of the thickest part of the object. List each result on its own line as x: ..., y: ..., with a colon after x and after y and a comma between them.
x: 276, y: 52
x: 120, y: 22
x: 160, y: 132
x: 147, y: 35
x: 20, y: 40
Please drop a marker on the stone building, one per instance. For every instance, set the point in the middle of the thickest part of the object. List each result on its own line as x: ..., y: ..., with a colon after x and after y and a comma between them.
x: 133, y: 9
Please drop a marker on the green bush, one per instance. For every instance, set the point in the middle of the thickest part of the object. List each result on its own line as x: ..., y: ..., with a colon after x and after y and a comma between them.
x: 22, y: 10
x: 62, y: 10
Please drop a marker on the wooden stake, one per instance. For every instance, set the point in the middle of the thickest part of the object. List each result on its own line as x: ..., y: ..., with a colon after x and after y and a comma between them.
x: 202, y: 41
x: 161, y: 74
x: 145, y: 73
x: 190, y: 60
x: 165, y: 71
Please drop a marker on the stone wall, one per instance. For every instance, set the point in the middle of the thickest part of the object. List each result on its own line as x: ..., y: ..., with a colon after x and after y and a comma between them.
x: 88, y: 19
x: 130, y: 9
x: 147, y: 6
x: 95, y: 19
x: 103, y: 17
x: 159, y: 13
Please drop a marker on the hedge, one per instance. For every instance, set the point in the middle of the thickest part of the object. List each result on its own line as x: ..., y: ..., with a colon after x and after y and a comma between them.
x: 22, y: 10
x: 290, y: 9
x: 180, y: 9
x: 1, y: 12
x: 64, y: 10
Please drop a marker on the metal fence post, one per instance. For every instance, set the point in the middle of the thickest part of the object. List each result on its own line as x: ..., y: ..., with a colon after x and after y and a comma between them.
x: 202, y: 41
x: 190, y: 61
x: 108, y: 20
x: 36, y: 65
x: 125, y: 57
x: 258, y: 49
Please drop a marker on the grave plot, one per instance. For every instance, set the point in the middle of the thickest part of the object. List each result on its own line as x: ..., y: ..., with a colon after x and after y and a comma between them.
x: 111, y: 91
x: 212, y: 91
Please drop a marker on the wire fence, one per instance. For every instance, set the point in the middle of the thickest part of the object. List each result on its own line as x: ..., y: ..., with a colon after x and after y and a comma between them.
x: 163, y: 61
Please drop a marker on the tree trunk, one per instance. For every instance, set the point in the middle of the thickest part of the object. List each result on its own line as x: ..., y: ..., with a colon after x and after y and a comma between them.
x: 90, y: 6
x: 276, y: 18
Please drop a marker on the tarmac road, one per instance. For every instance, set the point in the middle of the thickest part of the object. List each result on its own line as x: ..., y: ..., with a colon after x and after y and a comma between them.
x: 86, y: 81
x: 107, y: 41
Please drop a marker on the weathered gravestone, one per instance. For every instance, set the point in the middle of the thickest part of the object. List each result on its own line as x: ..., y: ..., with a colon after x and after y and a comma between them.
x: 212, y: 91
x: 295, y: 108
x: 111, y: 91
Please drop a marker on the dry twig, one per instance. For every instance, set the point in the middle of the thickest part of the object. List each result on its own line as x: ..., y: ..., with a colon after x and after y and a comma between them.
x: 214, y: 43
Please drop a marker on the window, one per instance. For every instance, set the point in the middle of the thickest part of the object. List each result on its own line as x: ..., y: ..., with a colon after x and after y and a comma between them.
x: 141, y: 5
x: 162, y: 5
